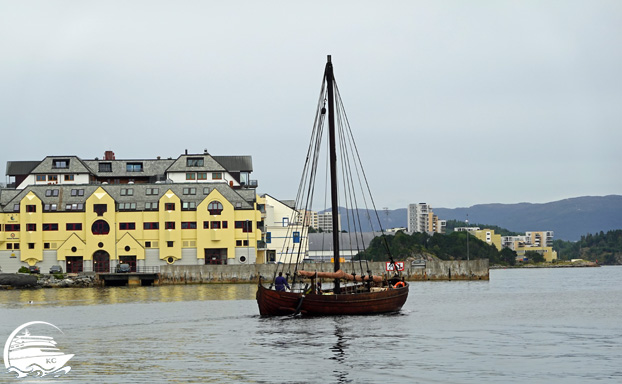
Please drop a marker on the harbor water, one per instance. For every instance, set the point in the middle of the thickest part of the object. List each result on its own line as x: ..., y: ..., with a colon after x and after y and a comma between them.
x: 553, y: 325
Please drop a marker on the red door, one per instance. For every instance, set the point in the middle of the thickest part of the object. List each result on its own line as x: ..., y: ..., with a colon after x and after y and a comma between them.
x: 101, y: 262
x: 74, y: 264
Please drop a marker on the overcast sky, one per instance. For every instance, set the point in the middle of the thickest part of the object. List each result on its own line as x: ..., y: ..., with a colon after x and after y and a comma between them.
x: 453, y: 103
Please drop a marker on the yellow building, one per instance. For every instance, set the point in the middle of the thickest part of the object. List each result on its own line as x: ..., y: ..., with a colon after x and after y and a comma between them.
x: 203, y: 213
x: 489, y: 236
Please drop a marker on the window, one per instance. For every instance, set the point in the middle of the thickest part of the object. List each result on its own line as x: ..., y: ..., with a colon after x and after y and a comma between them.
x: 52, y: 177
x: 15, y: 207
x: 60, y: 163
x: 77, y: 192
x: 238, y: 243
x: 206, y: 191
x: 188, y: 225
x: 9, y: 245
x: 189, y: 205
x: 51, y: 192
x: 245, y: 226
x: 31, y: 245
x: 151, y: 225
x: 190, y: 191
x: 285, y: 221
x: 73, y: 226
x: 100, y: 227
x: 169, y: 225
x: 74, y: 207
x: 31, y: 208
x: 69, y: 177
x: 100, y: 209
x: 105, y: 167
x: 147, y: 244
x: 152, y: 191
x: 46, y: 245
x: 40, y: 177
x: 134, y: 167
x: 268, y: 237
x: 151, y: 206
x: 127, y: 192
x: 127, y: 206
x: 169, y: 206
x: 49, y: 207
x: 50, y: 227
x: 11, y: 228
x: 31, y: 227
x: 15, y: 245
x: 214, y: 208
x: 127, y: 226
x: 170, y: 244
x: 215, y: 224
x: 194, y: 162
x: 224, y: 225
x: 202, y: 176
x: 217, y: 176
x: 190, y: 176
x: 296, y: 236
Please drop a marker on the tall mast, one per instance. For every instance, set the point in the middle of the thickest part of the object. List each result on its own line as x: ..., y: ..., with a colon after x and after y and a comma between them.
x: 328, y: 74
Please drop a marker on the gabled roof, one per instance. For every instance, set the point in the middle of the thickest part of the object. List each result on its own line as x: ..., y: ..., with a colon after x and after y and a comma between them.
x: 209, y: 164
x: 47, y: 165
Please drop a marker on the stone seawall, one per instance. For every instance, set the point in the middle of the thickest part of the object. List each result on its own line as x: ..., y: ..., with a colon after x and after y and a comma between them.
x: 433, y: 270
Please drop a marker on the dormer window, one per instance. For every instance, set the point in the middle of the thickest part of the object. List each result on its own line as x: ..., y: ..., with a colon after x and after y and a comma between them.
x: 105, y: 167
x: 134, y: 167
x: 60, y: 163
x: 194, y: 162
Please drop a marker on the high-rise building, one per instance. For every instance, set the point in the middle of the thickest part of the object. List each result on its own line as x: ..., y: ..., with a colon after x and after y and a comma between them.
x: 421, y: 218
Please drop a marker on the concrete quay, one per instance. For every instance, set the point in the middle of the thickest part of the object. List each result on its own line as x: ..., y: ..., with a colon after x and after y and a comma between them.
x: 431, y: 270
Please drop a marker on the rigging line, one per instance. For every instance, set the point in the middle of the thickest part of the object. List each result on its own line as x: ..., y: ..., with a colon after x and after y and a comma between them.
x: 348, y: 139
x: 317, y: 124
x: 313, y: 171
x: 355, y: 152
x: 349, y: 193
x: 368, y: 188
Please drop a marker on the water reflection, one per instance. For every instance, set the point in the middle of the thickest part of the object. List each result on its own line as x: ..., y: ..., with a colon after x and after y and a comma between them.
x: 339, y: 354
x: 119, y: 295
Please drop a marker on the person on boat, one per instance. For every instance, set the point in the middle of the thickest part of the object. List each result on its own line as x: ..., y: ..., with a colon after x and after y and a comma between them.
x: 281, y: 282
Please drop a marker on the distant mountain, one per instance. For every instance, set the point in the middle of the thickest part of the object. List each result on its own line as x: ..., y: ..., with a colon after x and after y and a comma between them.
x: 569, y: 219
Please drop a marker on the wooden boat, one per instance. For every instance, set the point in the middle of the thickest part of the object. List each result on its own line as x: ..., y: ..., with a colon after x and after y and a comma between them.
x: 362, y: 293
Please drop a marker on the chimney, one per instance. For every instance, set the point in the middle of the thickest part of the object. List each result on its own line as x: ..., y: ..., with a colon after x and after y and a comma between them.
x: 186, y: 151
x: 108, y: 155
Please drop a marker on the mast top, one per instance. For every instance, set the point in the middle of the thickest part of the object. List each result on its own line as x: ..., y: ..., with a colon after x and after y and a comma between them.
x: 328, y: 58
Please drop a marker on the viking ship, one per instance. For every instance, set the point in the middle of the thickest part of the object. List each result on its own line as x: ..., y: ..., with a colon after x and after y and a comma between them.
x: 336, y: 292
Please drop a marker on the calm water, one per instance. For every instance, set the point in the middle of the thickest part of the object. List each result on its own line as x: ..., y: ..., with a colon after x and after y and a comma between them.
x: 522, y: 326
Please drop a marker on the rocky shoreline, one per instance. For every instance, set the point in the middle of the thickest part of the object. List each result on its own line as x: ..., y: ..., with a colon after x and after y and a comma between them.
x: 22, y: 280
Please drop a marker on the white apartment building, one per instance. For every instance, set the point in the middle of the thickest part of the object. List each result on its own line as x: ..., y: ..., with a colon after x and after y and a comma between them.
x: 325, y: 221
x: 421, y: 218
x: 285, y: 238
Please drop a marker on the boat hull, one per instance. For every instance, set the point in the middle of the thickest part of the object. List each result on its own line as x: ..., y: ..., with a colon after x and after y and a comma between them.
x: 279, y: 303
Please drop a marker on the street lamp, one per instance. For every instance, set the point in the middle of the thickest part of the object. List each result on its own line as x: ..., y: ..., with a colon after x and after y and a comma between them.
x: 467, y: 231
